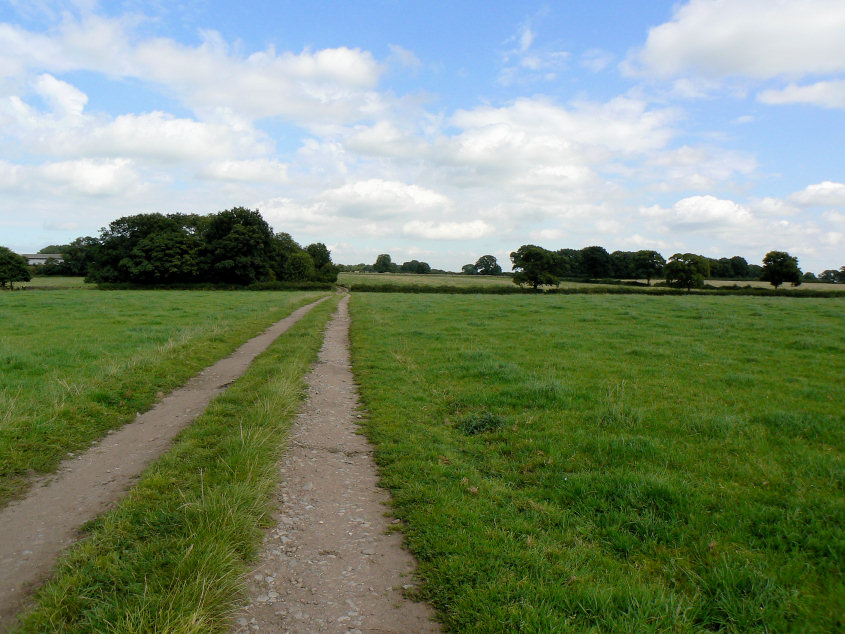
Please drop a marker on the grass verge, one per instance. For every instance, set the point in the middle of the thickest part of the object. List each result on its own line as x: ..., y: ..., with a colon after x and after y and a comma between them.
x: 77, y: 363
x: 171, y: 556
x: 613, y: 463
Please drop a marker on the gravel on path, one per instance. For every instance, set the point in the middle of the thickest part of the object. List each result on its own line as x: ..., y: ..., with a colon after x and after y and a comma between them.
x: 330, y: 563
x: 35, y: 529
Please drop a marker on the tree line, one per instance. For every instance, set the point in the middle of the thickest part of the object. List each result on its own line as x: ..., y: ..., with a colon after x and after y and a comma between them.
x: 233, y: 247
x: 536, y: 266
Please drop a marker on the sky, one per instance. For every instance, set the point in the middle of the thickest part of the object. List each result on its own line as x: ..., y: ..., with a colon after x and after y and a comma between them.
x: 437, y: 131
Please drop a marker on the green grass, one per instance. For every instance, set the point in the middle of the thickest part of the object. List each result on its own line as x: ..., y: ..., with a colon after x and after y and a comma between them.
x: 171, y: 556
x: 51, y: 282
x: 77, y: 363
x: 613, y: 463
x: 353, y: 279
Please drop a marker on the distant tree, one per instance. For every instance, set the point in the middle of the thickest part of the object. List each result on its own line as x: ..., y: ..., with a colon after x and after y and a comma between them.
x: 54, y: 248
x: 325, y: 271
x: 739, y: 267
x: 383, y: 264
x: 487, y: 265
x: 568, y: 262
x: 829, y: 276
x: 596, y: 262
x: 780, y: 267
x: 415, y: 266
x: 648, y: 264
x: 13, y: 268
x: 469, y: 269
x: 238, y: 247
x: 840, y: 277
x: 686, y: 270
x: 535, y: 266
x: 300, y: 267
x: 79, y: 255
x: 283, y: 247
x: 809, y: 277
x: 623, y: 264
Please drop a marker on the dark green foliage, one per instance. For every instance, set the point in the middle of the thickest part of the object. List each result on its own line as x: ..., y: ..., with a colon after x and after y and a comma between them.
x: 238, y: 247
x: 415, y: 266
x: 780, y: 267
x: 686, y: 270
x: 535, y: 266
x: 596, y: 262
x: 13, y: 268
x: 235, y: 247
x: 487, y: 265
x: 384, y: 264
x: 648, y: 264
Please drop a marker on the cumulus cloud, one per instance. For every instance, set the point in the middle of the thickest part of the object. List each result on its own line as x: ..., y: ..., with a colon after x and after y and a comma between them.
x: 698, y: 213
x: 448, y: 230
x: 380, y: 198
x: 305, y: 86
x: 828, y: 94
x: 755, y: 38
x: 825, y: 193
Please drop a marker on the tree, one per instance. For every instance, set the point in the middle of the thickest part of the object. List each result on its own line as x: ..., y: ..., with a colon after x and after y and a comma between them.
x: 239, y: 247
x: 469, y: 269
x: 686, y: 270
x: 13, y: 268
x: 809, y: 276
x: 596, y: 262
x: 325, y: 271
x: 780, y: 267
x: 829, y: 276
x: 383, y: 264
x: 534, y: 265
x: 648, y: 264
x: 487, y: 265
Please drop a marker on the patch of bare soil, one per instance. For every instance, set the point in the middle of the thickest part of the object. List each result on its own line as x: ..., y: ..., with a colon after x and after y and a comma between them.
x: 35, y: 529
x: 329, y: 564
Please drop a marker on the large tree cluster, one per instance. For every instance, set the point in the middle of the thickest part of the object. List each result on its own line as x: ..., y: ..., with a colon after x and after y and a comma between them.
x: 235, y: 246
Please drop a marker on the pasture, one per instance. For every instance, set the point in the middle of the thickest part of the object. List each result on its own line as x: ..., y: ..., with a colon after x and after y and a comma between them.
x: 623, y: 463
x: 77, y: 363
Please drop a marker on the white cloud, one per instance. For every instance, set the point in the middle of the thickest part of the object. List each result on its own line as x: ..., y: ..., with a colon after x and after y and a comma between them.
x: 380, y: 198
x: 448, y: 230
x: 596, y: 59
x: 828, y: 94
x: 63, y: 97
x: 526, y: 62
x: 335, y: 83
x: 403, y: 57
x: 825, y: 193
x: 701, y: 213
x: 249, y: 170
x: 756, y: 38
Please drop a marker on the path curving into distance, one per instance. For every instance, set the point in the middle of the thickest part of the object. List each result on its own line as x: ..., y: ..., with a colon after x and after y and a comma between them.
x: 329, y: 564
x: 35, y: 529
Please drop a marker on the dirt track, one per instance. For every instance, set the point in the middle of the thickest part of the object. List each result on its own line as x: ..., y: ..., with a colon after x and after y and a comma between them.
x: 35, y: 529
x: 328, y: 564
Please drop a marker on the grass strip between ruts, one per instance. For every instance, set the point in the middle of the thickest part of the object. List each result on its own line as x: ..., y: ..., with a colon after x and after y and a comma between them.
x: 171, y: 556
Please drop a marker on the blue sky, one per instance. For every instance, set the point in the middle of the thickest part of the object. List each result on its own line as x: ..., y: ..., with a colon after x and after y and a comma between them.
x: 435, y: 131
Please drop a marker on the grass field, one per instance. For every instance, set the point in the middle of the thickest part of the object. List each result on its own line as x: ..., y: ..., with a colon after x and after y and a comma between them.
x: 351, y: 279
x: 76, y: 363
x: 54, y: 282
x: 617, y: 463
x: 171, y: 556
